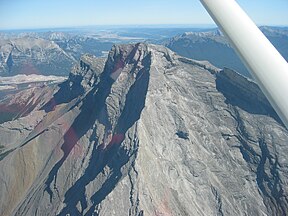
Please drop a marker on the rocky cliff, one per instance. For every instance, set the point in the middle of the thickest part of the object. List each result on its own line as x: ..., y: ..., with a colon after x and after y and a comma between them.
x: 148, y: 133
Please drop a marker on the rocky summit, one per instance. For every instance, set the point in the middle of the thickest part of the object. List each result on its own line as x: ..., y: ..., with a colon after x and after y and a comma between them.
x: 144, y: 133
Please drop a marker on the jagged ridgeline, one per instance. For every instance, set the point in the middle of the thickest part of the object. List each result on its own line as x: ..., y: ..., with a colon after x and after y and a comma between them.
x: 145, y: 132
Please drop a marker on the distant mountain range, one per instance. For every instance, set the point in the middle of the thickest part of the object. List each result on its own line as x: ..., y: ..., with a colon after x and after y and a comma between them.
x: 28, y: 55
x: 213, y: 46
x: 54, y: 52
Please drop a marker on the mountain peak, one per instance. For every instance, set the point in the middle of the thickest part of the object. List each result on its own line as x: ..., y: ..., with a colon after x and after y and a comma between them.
x: 122, y: 56
x: 86, y: 72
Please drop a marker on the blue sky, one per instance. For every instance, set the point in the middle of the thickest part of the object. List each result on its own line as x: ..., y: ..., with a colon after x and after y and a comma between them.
x: 60, y: 13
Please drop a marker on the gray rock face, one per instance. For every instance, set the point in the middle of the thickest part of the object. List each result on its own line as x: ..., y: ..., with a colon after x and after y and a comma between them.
x: 149, y: 133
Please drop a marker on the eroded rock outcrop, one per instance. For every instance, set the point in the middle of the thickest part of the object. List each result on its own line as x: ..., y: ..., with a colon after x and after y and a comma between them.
x: 149, y: 133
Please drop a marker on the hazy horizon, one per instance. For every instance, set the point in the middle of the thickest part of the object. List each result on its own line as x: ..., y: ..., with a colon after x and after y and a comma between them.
x: 121, y: 27
x: 35, y: 14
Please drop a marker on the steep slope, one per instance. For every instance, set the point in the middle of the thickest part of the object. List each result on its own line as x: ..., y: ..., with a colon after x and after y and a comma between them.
x: 151, y: 133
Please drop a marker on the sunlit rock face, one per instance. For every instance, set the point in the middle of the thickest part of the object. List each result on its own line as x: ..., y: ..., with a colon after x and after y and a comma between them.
x: 145, y: 133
